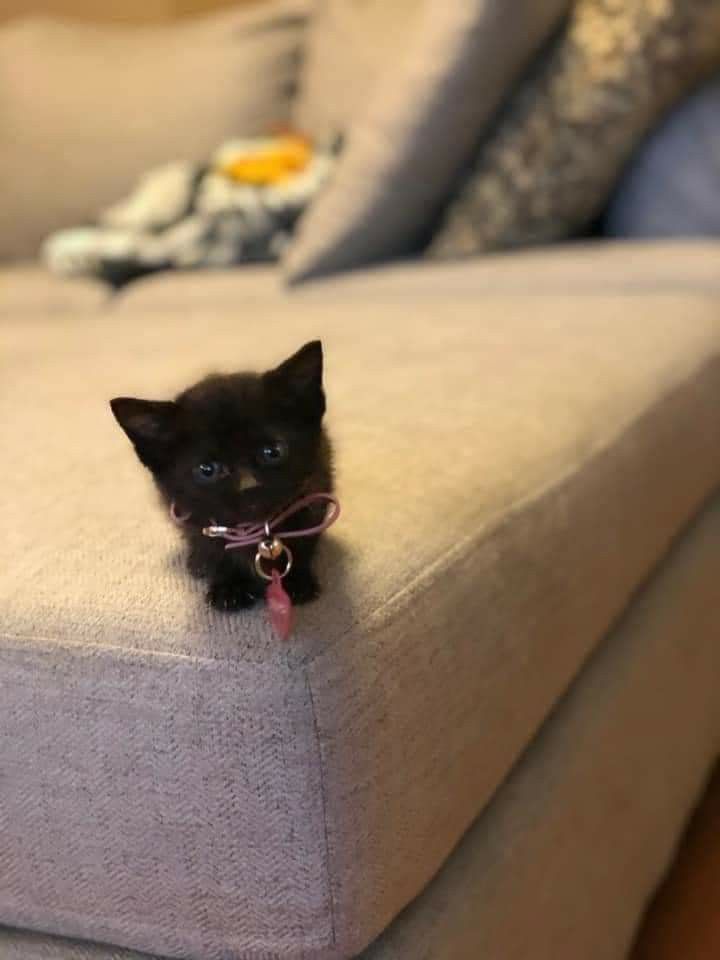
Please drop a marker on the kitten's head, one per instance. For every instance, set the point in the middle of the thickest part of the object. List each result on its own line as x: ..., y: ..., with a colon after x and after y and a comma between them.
x: 237, y: 447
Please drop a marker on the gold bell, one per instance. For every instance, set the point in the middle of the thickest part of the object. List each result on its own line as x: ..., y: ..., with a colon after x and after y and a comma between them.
x: 270, y: 549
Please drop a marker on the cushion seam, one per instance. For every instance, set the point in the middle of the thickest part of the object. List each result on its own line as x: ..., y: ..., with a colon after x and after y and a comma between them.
x: 324, y: 806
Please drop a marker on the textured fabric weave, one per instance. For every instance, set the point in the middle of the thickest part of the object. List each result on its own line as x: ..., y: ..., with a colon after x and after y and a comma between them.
x: 563, y: 860
x: 510, y: 467
x: 23, y: 945
x: 562, y: 863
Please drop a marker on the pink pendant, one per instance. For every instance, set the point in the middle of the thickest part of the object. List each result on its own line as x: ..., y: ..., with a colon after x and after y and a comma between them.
x: 279, y: 607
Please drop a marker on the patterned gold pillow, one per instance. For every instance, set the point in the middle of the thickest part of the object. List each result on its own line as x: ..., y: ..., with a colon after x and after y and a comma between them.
x: 548, y: 167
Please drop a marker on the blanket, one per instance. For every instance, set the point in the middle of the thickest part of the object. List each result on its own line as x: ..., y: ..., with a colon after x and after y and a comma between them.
x: 240, y: 207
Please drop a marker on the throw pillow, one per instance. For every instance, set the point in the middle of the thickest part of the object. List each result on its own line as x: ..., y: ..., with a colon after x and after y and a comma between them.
x: 672, y: 188
x: 349, y: 45
x: 550, y: 165
x: 422, y: 120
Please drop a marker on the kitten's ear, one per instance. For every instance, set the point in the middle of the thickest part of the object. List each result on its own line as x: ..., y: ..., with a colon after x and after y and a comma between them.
x: 299, y: 379
x: 151, y: 425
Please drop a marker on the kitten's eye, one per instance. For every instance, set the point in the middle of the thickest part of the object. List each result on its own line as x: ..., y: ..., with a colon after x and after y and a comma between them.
x: 209, y: 472
x: 272, y: 453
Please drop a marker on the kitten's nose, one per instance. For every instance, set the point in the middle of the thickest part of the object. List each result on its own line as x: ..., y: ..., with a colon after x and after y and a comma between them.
x: 246, y: 480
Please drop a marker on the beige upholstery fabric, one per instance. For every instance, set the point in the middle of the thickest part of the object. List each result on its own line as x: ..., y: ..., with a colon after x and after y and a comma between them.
x: 511, y: 468
x: 349, y: 46
x: 581, y: 269
x: 85, y: 109
x: 23, y: 945
x: 578, y: 270
x: 28, y: 290
x: 423, y: 116
x: 561, y: 863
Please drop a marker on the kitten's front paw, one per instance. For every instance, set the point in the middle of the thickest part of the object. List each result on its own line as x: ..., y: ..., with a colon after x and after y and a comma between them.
x: 228, y: 596
x: 301, y: 587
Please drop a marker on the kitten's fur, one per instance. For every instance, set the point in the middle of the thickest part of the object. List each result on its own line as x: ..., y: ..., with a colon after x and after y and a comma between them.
x: 235, y: 422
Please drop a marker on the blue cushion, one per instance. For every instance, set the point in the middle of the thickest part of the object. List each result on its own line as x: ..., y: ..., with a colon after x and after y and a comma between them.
x: 673, y: 186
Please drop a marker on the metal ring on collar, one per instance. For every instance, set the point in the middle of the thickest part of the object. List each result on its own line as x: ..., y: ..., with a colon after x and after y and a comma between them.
x: 268, y: 576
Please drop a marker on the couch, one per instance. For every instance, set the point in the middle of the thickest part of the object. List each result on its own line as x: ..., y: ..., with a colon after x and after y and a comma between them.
x: 483, y: 741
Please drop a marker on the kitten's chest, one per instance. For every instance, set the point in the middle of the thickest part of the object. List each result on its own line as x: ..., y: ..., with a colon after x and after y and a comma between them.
x: 206, y: 555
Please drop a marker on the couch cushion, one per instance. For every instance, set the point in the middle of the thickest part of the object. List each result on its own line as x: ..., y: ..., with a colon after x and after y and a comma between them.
x: 511, y: 468
x: 28, y: 289
x: 87, y: 108
x: 23, y: 945
x: 672, y: 186
x: 581, y: 269
x: 561, y: 863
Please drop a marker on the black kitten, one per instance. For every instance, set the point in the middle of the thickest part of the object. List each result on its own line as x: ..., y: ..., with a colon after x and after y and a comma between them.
x: 234, y: 449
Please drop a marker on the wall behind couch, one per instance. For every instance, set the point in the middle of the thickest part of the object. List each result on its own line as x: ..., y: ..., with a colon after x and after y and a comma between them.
x: 122, y: 11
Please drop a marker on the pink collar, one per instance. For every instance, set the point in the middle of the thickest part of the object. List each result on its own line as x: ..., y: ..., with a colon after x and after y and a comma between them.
x: 249, y: 534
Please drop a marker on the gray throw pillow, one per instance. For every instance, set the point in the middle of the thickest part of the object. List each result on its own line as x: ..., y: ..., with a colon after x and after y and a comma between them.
x: 551, y: 163
x: 87, y: 108
x: 423, y: 116
x: 672, y: 188
x: 349, y: 46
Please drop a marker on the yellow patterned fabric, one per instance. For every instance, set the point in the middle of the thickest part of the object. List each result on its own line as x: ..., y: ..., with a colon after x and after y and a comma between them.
x: 550, y: 164
x: 269, y: 161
